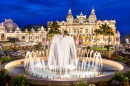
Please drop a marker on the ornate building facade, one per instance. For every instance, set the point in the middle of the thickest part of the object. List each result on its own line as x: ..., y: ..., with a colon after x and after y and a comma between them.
x: 10, y: 29
x: 82, y: 29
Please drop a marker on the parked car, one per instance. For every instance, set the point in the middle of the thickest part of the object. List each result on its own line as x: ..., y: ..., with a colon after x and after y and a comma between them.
x: 16, y: 54
x: 122, y: 53
x: 127, y: 50
x: 5, y: 53
x: 119, y: 52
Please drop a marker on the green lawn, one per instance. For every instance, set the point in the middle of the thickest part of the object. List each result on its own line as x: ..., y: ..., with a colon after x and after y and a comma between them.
x: 99, y: 48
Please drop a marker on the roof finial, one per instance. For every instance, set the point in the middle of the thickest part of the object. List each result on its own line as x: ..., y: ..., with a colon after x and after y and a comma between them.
x: 92, y: 7
x: 93, y: 10
x: 81, y: 12
x: 69, y: 10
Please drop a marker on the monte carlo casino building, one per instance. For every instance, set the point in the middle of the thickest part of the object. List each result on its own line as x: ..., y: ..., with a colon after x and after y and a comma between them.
x: 82, y: 29
x: 8, y: 28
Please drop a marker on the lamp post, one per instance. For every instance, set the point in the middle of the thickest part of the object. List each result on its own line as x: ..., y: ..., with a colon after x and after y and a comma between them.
x: 127, y: 41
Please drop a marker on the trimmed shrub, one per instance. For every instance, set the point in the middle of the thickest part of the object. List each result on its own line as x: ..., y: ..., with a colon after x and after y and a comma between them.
x: 127, y: 74
x: 4, y: 78
x: 119, y: 77
x: 19, y: 80
x: 80, y: 83
x: 118, y: 59
x: 5, y: 59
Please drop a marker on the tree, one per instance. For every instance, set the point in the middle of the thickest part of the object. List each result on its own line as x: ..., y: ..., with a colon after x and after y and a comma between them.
x: 19, y: 80
x: 54, y: 29
x: 13, y: 40
x: 105, y: 30
x: 109, y: 33
x: 97, y: 31
x: 29, y: 32
x: 38, y: 46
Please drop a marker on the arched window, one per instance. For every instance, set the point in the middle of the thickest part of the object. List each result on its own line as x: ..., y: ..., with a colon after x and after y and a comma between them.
x: 69, y: 22
x: 2, y: 36
x: 80, y: 31
x: 74, y: 30
x: 86, y: 31
x: 70, y: 30
x: 23, y: 37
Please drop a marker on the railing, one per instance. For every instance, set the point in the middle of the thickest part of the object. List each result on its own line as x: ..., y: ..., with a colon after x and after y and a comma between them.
x: 60, y: 77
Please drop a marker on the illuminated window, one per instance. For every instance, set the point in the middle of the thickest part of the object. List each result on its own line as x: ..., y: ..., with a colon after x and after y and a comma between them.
x: 74, y: 30
x: 92, y: 31
x: 86, y: 30
x: 80, y: 31
x: 80, y: 21
x: 69, y: 30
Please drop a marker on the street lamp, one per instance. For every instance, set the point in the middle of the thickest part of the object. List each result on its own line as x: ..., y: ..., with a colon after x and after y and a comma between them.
x: 127, y: 40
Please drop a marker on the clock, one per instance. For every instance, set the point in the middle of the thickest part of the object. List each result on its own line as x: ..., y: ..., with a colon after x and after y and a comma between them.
x: 80, y: 21
x: 69, y: 21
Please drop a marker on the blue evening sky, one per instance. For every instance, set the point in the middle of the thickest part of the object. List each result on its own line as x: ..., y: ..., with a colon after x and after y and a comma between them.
x: 25, y: 12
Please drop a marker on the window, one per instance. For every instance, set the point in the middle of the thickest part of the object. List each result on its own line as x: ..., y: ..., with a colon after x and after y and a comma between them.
x: 74, y: 30
x: 80, y: 22
x: 69, y: 22
x: 80, y: 31
x: 86, y: 31
x: 23, y: 37
x: 92, y: 31
x: 70, y: 30
x: 92, y: 21
x: 62, y: 30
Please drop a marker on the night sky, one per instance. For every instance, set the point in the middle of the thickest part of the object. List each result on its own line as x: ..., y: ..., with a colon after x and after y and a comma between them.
x: 25, y: 12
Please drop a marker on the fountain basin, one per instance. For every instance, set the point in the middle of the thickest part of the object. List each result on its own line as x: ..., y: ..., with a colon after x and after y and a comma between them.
x: 109, y: 68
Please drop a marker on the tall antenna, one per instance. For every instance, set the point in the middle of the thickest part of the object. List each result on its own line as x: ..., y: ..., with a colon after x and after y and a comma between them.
x: 92, y: 7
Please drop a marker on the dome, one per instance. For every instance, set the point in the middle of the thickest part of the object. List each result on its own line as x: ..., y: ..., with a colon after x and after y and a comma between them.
x: 9, y: 25
x: 69, y: 16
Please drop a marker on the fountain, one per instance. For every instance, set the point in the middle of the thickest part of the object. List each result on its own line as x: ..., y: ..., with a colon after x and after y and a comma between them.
x: 63, y: 61
x: 64, y: 64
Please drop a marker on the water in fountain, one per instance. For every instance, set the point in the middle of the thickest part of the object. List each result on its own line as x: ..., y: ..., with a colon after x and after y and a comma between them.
x: 62, y: 55
x: 63, y: 61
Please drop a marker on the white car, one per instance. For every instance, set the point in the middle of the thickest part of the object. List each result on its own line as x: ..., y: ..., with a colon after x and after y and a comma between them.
x: 16, y: 54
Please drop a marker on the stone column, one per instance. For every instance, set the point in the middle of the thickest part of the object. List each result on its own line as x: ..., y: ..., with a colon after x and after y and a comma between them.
x: 0, y: 36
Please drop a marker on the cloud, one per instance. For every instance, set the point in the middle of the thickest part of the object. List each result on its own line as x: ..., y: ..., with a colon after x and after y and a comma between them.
x: 24, y: 12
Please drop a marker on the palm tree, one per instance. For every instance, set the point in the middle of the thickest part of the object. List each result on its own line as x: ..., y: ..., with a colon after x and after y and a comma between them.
x: 54, y: 29
x: 13, y: 40
x: 97, y: 31
x: 109, y: 33
x: 29, y: 32
x: 105, y: 30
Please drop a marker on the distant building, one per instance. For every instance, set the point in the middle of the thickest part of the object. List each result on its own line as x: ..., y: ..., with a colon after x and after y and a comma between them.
x: 10, y: 29
x: 82, y: 29
x: 34, y: 26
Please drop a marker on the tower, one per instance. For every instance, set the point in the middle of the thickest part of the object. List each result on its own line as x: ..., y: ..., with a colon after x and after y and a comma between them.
x: 92, y: 17
x: 69, y: 17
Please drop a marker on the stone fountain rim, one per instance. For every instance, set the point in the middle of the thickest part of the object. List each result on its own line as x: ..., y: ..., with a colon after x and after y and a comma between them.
x: 37, y: 80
